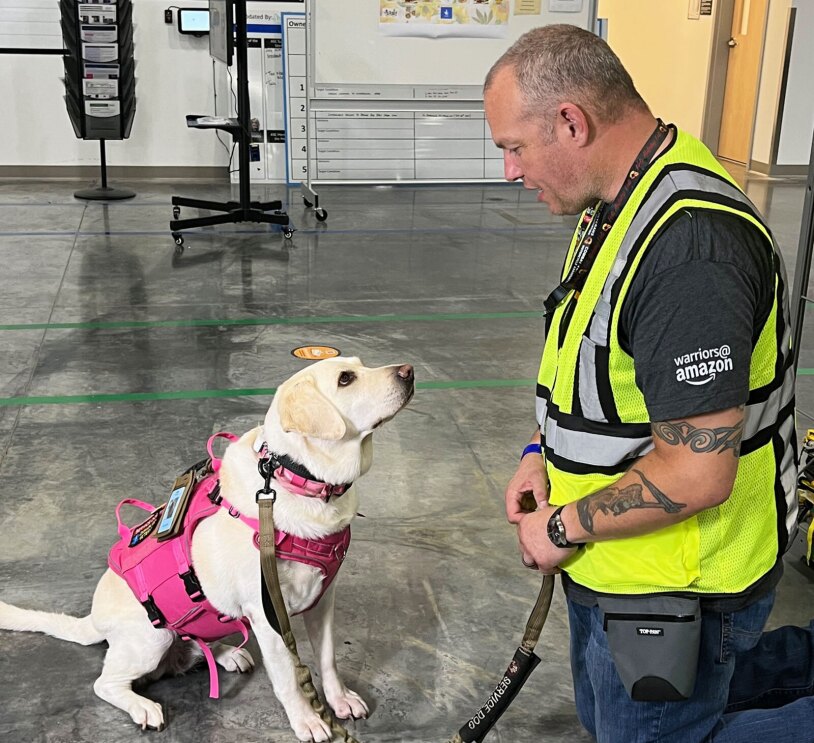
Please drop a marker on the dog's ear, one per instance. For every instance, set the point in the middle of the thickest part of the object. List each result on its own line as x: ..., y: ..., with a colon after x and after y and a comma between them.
x: 304, y: 409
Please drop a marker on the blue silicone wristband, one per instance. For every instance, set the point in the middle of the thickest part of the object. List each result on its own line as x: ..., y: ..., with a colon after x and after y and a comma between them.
x: 536, y: 448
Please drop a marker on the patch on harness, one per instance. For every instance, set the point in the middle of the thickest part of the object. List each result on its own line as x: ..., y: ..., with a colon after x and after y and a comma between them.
x: 145, y: 528
x: 173, y: 522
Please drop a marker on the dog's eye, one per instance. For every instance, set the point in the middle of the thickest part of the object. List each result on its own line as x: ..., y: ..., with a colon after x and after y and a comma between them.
x: 345, y: 378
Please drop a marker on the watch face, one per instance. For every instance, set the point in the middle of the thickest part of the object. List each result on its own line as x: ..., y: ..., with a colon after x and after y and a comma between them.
x: 556, y: 530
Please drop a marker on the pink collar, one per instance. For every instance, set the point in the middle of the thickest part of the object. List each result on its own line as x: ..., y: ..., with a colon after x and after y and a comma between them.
x: 303, y: 486
x: 299, y: 484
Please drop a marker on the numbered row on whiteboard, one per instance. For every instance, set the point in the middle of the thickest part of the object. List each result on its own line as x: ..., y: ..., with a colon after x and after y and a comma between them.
x: 394, y: 145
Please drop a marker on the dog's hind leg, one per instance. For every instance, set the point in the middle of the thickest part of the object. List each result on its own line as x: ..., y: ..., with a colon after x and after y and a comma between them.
x: 133, y: 654
x: 232, y: 658
x: 184, y: 655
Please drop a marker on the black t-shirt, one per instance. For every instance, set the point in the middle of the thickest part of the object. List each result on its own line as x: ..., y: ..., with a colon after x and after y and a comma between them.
x: 694, y: 311
x: 691, y: 319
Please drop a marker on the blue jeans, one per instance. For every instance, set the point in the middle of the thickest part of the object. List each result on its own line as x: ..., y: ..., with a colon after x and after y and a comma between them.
x: 750, y: 687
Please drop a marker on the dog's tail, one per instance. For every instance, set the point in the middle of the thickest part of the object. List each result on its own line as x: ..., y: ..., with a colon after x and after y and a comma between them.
x: 74, y: 629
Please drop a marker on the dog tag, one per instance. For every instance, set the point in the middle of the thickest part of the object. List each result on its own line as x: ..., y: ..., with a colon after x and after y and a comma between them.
x: 173, y: 520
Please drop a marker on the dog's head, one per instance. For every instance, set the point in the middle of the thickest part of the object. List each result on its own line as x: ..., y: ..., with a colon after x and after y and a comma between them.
x: 335, y: 404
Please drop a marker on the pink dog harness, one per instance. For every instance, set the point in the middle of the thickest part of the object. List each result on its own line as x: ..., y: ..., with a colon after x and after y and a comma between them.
x: 161, y: 574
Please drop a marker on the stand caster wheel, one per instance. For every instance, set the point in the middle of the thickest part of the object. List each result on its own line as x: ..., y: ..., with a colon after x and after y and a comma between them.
x: 306, y: 202
x: 321, y: 215
x: 287, y: 233
x: 176, y: 212
x: 179, y: 238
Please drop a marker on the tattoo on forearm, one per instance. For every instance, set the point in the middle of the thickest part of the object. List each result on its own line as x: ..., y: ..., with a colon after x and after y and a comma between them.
x: 617, y: 501
x: 701, y: 440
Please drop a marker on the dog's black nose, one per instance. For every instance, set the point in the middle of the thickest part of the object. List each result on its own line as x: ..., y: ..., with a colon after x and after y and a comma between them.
x: 406, y: 373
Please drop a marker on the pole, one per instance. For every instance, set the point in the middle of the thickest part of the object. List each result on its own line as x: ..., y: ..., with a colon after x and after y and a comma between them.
x: 803, y: 265
x: 103, y: 159
x: 243, y: 113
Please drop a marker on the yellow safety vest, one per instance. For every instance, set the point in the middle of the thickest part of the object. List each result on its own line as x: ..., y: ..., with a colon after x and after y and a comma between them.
x: 594, y: 422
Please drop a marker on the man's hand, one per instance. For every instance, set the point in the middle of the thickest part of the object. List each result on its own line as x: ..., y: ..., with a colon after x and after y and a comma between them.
x: 529, y: 479
x: 537, y: 549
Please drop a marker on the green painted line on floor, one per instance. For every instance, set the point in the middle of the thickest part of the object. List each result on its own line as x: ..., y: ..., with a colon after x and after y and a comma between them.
x: 303, y: 320
x: 101, y: 399
x: 470, y: 384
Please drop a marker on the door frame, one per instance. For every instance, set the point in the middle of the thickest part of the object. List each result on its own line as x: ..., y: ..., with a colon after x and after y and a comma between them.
x: 716, y: 82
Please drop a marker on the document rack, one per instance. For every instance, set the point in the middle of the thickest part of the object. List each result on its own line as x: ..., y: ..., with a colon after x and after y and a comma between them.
x: 100, y: 81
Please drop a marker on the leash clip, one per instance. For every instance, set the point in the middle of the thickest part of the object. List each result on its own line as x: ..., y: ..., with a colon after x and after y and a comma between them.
x: 266, y: 469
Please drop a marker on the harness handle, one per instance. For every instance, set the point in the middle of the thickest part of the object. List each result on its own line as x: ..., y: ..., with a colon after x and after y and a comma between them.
x: 123, y: 529
x: 230, y: 437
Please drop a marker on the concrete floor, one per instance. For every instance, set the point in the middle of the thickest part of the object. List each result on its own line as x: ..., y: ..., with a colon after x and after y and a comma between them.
x: 120, y: 359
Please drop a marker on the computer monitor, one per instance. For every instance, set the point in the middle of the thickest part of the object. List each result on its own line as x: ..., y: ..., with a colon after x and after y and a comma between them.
x: 221, y: 30
x: 193, y: 21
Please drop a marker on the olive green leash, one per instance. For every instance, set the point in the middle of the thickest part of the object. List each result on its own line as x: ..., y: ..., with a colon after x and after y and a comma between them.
x: 268, y: 564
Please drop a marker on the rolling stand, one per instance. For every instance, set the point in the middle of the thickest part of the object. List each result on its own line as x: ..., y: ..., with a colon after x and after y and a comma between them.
x: 244, y: 210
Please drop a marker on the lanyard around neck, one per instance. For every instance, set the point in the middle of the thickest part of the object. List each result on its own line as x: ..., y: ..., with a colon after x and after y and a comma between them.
x: 598, y: 220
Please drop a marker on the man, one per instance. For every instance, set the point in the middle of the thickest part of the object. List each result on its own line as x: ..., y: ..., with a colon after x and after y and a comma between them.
x: 666, y: 490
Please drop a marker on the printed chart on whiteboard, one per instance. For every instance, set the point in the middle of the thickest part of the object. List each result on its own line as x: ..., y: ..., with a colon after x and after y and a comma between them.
x: 294, y: 83
x: 447, y: 142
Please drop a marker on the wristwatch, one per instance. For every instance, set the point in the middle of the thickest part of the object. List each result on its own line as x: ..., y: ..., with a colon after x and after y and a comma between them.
x: 556, y: 531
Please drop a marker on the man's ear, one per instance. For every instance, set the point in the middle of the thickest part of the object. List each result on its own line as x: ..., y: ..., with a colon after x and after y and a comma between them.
x: 574, y: 123
x: 305, y: 410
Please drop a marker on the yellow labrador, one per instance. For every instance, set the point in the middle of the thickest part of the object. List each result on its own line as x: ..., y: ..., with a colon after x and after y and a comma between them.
x: 320, y: 421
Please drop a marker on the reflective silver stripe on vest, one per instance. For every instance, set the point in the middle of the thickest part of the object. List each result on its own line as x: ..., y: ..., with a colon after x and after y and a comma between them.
x: 540, y: 408
x: 788, y: 477
x: 675, y: 181
x: 762, y: 415
x: 591, y: 449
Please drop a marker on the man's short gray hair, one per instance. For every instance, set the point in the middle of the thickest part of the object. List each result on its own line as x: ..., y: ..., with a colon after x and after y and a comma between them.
x: 560, y: 63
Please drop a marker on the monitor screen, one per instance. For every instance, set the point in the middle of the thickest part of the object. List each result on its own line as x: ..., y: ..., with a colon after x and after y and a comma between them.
x: 193, y: 21
x: 221, y: 30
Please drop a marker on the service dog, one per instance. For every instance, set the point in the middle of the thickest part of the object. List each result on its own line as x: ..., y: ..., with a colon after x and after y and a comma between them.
x: 322, y: 419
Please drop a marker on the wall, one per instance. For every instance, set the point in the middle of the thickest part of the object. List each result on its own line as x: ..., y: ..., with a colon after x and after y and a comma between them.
x: 797, y: 124
x: 174, y: 77
x: 669, y: 63
x: 771, y: 78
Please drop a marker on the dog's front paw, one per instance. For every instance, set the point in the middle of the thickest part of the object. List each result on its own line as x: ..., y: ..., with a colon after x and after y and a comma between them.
x: 348, y: 704
x: 311, y: 727
x: 146, y: 713
x: 233, y: 659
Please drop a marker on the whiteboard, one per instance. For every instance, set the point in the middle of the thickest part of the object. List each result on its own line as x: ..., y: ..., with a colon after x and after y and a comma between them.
x: 349, y: 49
